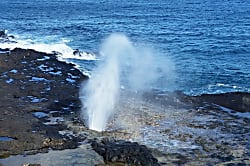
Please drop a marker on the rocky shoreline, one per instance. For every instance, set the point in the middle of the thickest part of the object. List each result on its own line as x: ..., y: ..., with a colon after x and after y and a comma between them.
x: 39, y: 95
x: 40, y: 111
x: 33, y: 86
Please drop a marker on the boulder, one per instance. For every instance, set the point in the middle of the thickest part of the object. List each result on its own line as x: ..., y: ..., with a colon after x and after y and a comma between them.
x: 130, y: 153
x: 3, y: 34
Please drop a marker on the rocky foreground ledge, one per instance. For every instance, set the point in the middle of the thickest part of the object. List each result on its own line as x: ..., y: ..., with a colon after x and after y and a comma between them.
x: 40, y: 110
x: 34, y: 86
x: 39, y: 95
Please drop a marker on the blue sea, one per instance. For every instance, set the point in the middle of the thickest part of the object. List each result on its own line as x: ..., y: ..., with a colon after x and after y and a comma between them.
x: 208, y: 41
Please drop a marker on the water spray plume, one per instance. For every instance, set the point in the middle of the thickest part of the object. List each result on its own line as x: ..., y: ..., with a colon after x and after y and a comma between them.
x: 123, y: 64
x: 102, y: 89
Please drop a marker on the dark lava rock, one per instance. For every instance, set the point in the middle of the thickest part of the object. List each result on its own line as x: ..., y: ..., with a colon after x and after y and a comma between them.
x: 130, y: 153
x: 238, y: 101
x: 3, y: 34
x: 31, y: 82
x: 31, y: 165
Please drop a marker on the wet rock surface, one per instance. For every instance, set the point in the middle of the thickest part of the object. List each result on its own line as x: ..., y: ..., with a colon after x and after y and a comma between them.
x: 40, y: 112
x: 201, y: 130
x: 82, y: 155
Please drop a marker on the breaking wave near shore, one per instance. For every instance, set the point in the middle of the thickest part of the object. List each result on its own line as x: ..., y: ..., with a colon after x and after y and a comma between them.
x: 59, y: 47
x: 194, y: 77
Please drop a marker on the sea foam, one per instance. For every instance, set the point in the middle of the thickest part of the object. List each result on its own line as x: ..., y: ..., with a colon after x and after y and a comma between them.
x: 61, y: 48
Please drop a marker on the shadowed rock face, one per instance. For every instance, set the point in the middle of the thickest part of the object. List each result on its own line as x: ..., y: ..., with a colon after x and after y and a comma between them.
x: 130, y: 153
x: 238, y: 101
x: 2, y: 34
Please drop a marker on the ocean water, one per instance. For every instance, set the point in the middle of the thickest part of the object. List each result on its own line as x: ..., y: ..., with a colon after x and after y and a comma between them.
x: 207, y: 41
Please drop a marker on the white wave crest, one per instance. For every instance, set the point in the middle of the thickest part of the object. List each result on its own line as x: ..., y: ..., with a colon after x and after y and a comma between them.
x: 62, y: 49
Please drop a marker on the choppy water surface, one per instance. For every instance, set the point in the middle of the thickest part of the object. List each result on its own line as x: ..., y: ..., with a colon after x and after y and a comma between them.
x: 208, y: 41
